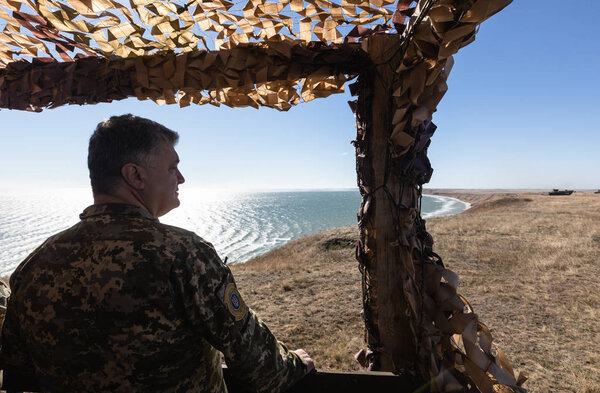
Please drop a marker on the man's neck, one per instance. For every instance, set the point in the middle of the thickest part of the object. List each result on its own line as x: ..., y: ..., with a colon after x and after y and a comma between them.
x: 123, y: 194
x: 118, y: 197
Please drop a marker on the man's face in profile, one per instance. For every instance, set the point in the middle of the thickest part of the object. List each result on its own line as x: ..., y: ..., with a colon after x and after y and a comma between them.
x: 163, y: 179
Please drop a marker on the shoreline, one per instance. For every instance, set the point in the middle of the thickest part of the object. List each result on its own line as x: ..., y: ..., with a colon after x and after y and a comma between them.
x: 466, y: 204
x: 240, y: 227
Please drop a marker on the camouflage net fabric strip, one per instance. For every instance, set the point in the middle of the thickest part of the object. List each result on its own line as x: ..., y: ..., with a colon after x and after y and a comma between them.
x: 448, y: 334
x: 277, y: 75
x: 44, y: 32
x: 136, y: 28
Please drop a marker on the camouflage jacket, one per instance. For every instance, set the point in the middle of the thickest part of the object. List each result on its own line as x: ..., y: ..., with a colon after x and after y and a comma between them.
x: 123, y: 303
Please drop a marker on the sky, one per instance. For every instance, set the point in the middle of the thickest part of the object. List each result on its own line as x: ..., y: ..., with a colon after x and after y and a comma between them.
x: 520, y: 112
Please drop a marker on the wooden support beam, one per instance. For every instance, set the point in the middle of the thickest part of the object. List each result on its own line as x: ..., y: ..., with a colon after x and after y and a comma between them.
x: 343, y: 382
x: 386, y: 220
x: 46, y: 83
x: 316, y: 382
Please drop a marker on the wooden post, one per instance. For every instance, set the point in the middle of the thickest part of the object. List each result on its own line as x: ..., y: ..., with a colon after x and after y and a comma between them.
x: 386, y: 220
x: 416, y: 323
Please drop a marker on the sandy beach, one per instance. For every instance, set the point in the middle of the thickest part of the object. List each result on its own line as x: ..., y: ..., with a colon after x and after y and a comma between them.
x: 528, y: 264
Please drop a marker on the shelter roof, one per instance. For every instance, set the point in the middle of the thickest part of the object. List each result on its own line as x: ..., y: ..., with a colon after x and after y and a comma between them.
x: 152, y: 43
x: 114, y: 28
x: 274, y: 53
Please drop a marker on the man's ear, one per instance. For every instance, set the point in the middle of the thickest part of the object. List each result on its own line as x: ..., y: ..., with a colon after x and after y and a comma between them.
x: 133, y: 175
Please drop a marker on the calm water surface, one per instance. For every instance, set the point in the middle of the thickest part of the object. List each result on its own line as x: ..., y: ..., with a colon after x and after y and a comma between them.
x: 240, y: 225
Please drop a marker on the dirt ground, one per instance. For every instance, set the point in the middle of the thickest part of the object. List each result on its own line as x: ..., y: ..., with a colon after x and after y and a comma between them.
x: 529, y: 264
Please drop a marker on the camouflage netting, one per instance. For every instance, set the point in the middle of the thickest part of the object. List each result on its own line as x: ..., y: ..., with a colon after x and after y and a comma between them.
x: 50, y: 31
x: 108, y: 27
x: 453, y: 346
x: 257, y: 53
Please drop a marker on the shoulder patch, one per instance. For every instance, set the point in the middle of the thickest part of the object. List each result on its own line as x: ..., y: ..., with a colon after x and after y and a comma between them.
x: 234, y: 302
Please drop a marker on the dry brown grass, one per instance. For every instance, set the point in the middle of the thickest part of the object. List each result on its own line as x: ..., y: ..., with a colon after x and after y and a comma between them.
x: 309, y: 293
x: 529, y: 265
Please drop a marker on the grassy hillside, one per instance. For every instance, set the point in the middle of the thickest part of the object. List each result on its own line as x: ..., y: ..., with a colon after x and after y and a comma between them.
x: 529, y: 264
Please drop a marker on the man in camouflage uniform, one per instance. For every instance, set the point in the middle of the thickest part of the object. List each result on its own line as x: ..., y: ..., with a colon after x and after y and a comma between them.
x: 123, y: 303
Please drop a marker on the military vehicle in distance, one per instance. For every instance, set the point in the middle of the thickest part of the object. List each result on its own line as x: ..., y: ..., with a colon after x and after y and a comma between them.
x: 556, y: 191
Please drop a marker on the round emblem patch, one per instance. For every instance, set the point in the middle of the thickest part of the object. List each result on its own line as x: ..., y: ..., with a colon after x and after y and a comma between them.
x: 234, y: 302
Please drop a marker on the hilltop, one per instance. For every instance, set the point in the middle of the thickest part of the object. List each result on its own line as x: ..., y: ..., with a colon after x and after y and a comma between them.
x: 528, y: 264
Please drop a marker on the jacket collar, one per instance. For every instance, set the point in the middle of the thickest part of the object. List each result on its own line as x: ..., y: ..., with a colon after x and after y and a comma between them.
x: 116, y: 209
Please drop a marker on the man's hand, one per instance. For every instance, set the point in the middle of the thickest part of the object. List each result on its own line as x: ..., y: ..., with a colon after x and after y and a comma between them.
x: 310, y: 365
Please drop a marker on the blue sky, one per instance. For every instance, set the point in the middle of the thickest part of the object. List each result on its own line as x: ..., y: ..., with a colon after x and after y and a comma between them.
x: 519, y: 113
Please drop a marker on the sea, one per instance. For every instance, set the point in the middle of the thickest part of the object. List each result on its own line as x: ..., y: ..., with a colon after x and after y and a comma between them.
x: 241, y: 225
